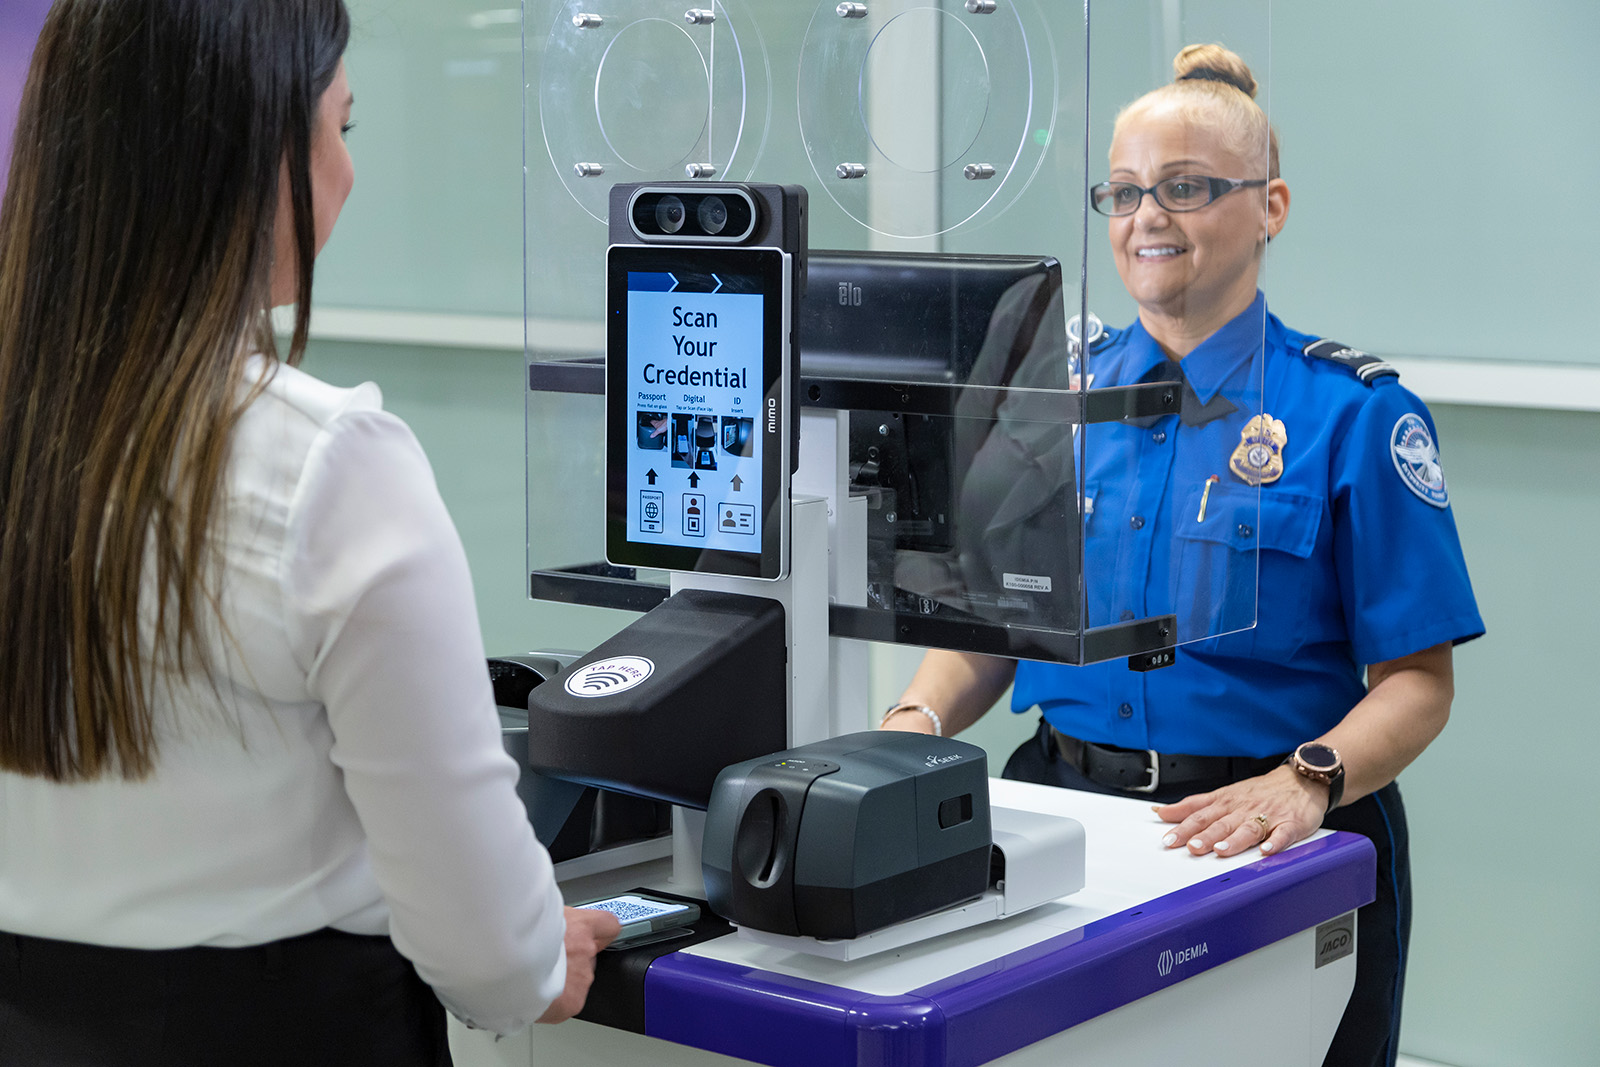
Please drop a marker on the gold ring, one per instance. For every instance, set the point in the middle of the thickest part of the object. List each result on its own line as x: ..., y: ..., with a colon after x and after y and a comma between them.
x: 1261, y: 825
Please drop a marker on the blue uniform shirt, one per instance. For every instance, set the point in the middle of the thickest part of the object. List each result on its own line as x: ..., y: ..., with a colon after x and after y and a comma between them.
x: 1359, y: 561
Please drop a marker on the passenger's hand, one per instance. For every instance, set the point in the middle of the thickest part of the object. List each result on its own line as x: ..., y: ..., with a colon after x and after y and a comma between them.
x: 588, y: 931
x: 1271, y: 811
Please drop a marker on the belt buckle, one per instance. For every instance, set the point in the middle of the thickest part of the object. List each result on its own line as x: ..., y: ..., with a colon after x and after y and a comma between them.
x: 1155, y: 773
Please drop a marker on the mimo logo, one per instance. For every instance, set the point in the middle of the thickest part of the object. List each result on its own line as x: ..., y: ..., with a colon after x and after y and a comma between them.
x: 606, y: 677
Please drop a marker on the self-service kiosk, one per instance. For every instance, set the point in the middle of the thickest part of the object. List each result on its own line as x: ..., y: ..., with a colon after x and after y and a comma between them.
x: 809, y: 451
x: 873, y: 898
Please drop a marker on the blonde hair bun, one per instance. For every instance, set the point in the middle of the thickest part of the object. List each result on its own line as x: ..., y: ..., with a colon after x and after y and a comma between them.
x: 1213, y: 88
x: 1212, y: 62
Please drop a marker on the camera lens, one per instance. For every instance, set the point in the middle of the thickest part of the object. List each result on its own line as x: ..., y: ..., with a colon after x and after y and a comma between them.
x: 670, y: 214
x: 713, y: 214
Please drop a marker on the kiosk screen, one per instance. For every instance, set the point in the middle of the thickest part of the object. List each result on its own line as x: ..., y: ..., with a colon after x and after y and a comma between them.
x: 697, y: 435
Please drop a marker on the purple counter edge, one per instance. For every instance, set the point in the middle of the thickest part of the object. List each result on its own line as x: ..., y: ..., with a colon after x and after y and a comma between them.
x: 1006, y: 1004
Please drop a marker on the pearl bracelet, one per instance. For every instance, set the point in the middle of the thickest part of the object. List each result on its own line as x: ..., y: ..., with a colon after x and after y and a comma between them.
x: 933, y: 716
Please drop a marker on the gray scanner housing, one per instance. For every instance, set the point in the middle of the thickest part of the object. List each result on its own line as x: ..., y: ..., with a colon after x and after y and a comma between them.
x: 846, y: 836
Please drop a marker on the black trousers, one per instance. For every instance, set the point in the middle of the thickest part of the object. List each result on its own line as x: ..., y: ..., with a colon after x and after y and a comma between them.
x: 1369, y: 1033
x: 326, y: 999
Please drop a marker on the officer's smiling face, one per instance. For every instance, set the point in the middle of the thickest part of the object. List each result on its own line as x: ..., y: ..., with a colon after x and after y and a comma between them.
x: 1192, y: 270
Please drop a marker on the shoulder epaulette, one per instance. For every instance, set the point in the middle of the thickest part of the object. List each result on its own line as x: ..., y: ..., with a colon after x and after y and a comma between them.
x: 1367, y: 367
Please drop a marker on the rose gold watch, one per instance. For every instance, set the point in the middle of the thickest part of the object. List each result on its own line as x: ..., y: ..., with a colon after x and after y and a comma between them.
x: 1320, y: 763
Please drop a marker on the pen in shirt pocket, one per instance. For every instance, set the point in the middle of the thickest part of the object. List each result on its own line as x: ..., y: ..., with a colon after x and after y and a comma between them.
x: 1204, y: 496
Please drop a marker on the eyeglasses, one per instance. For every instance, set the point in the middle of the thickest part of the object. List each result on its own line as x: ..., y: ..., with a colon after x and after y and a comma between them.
x: 1185, y: 192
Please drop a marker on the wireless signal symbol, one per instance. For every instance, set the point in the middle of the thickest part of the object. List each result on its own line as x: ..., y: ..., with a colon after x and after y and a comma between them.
x: 609, y: 676
x: 600, y: 681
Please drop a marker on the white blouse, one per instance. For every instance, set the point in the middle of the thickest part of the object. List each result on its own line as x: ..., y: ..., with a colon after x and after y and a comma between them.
x: 340, y: 765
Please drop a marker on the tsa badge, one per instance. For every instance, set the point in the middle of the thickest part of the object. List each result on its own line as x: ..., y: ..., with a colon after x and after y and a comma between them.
x: 1259, y: 458
x: 1416, y: 457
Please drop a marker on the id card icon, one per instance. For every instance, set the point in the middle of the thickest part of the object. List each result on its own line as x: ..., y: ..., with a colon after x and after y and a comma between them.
x: 694, y: 515
x: 652, y: 511
x: 736, y: 518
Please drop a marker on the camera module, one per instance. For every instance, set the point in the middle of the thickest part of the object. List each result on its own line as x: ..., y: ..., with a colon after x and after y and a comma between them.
x: 713, y: 214
x: 687, y: 213
x: 670, y: 214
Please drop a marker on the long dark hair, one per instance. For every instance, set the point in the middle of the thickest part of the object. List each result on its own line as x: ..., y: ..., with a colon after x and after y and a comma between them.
x: 136, y: 255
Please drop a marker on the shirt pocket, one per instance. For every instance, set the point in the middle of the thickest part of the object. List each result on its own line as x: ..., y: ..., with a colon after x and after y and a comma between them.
x: 1247, y: 561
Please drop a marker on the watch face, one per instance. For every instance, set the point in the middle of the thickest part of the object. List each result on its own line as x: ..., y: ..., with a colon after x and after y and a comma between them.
x: 1318, y: 757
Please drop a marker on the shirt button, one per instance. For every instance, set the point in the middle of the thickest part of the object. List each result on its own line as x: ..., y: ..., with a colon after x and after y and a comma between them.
x: 1137, y: 522
x: 1159, y: 437
x: 1127, y: 615
x: 1126, y: 711
x: 1246, y: 531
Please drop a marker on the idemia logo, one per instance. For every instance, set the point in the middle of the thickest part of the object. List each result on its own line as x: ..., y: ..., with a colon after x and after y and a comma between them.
x: 608, y: 676
x: 1170, y: 959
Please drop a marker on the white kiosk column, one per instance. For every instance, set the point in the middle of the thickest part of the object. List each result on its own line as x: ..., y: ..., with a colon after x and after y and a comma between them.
x: 827, y: 563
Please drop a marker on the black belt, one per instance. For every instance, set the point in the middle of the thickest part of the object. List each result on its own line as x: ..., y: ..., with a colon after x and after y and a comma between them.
x: 1141, y: 770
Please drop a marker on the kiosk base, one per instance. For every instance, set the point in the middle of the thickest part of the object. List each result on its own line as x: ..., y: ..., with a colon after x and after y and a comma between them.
x: 1177, y: 1025
x: 1148, y: 964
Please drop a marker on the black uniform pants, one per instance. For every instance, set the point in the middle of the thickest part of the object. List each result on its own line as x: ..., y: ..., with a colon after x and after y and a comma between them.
x: 326, y: 999
x: 1369, y: 1033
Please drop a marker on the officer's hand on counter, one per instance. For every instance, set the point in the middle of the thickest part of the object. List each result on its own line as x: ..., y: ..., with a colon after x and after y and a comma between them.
x: 1271, y: 811
x: 588, y: 931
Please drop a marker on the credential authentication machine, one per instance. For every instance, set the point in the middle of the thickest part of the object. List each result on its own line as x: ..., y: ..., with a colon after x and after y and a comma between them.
x: 724, y: 701
x: 723, y: 736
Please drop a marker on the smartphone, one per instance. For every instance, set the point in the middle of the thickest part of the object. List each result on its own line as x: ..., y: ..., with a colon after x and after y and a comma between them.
x: 644, y: 917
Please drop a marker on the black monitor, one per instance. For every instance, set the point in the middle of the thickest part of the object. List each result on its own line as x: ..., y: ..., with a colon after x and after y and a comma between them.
x: 915, y: 317
x: 931, y: 470
x: 929, y: 318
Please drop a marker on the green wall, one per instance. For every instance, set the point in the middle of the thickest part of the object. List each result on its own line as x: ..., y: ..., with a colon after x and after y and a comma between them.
x: 435, y: 221
x: 1505, y: 938
x: 1437, y: 151
x: 1418, y: 138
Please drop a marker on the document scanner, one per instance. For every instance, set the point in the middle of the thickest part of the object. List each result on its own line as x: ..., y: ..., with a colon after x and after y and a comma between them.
x: 846, y: 840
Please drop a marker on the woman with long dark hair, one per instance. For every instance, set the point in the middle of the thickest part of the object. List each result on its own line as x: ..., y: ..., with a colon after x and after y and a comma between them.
x: 251, y: 779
